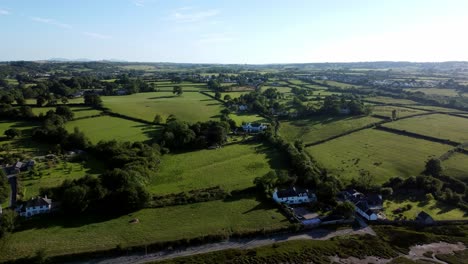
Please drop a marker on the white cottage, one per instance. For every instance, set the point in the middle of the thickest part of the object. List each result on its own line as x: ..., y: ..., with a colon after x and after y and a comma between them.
x: 294, y: 196
x: 36, y: 206
x: 254, y: 127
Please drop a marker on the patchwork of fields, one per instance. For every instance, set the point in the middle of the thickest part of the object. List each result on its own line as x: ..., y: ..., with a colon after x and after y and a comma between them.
x: 437, y: 125
x: 320, y: 128
x: 383, y: 154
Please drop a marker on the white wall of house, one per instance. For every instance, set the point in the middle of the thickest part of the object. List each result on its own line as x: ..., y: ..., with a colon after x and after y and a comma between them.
x: 30, y: 211
x: 292, y: 199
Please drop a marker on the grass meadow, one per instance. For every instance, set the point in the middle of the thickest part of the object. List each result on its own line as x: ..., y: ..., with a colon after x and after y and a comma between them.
x: 78, y: 111
x: 108, y: 128
x: 389, y: 100
x: 381, y: 153
x: 437, y: 125
x: 319, y: 128
x: 232, y: 167
x: 85, y: 233
x: 435, y: 91
x: 457, y: 166
x: 385, y: 110
x: 190, y: 106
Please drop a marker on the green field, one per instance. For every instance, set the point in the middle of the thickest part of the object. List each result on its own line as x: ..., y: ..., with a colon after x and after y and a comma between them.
x: 385, y: 110
x: 381, y: 153
x: 78, y: 111
x: 54, y: 176
x: 338, y: 84
x: 23, y: 143
x: 248, y: 118
x: 437, y: 125
x: 319, y: 128
x: 436, y: 108
x: 167, y: 86
x: 438, y: 210
x: 457, y: 166
x: 389, y: 100
x: 232, y: 167
x: 83, y: 234
x: 232, y: 94
x: 108, y: 128
x: 191, y: 106
x: 435, y: 91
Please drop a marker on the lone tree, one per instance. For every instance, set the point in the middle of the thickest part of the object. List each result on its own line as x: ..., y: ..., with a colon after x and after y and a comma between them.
x: 218, y: 95
x: 12, y: 133
x: 433, y: 167
x: 177, y: 90
x: 93, y: 99
x: 158, y: 119
x: 227, y: 97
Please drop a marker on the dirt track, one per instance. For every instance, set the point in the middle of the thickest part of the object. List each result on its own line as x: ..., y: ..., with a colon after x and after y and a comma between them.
x: 316, y: 234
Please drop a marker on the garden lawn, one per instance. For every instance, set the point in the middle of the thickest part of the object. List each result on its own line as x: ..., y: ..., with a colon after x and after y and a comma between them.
x: 109, y: 128
x: 437, y: 125
x: 55, y: 175
x: 82, y: 234
x: 457, y: 166
x: 190, y: 106
x: 319, y: 128
x: 239, y: 118
x: 438, y: 210
x: 232, y: 167
x: 383, y: 154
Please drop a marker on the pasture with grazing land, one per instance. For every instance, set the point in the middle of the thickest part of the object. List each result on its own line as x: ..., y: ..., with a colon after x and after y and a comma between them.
x: 77, y: 111
x: 389, y: 100
x: 383, y: 154
x: 87, y: 233
x: 232, y: 167
x: 319, y: 128
x: 437, y: 125
x: 435, y: 91
x: 109, y: 128
x: 457, y: 166
x: 190, y: 106
x: 385, y: 110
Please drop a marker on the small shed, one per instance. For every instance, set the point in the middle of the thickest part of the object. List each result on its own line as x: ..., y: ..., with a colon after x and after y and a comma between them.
x: 424, y: 218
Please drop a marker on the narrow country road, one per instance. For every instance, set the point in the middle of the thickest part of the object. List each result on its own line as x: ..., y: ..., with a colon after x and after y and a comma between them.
x: 316, y: 234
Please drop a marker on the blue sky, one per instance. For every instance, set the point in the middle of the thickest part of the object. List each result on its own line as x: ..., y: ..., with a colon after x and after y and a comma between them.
x: 237, y: 31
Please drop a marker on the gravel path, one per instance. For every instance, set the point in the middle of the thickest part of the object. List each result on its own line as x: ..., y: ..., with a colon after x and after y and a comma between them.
x: 316, y: 234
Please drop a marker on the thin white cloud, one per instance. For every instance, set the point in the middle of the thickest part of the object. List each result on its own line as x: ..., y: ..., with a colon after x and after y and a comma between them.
x: 185, y: 17
x: 97, y: 35
x: 50, y: 21
x: 139, y: 3
x: 4, y: 12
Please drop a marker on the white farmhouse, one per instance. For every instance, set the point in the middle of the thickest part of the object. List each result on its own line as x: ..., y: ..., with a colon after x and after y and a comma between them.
x: 294, y: 196
x: 36, y: 206
x: 254, y: 127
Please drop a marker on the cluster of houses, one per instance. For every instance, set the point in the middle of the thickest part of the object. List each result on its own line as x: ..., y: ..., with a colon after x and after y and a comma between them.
x: 34, y: 206
x: 367, y: 206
